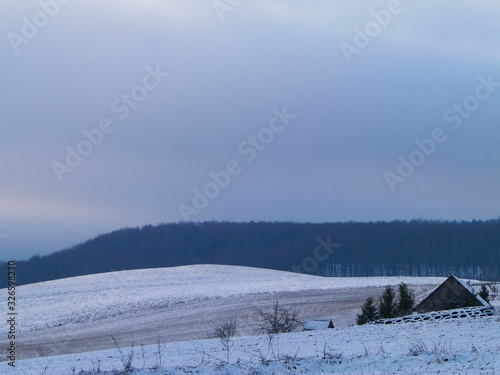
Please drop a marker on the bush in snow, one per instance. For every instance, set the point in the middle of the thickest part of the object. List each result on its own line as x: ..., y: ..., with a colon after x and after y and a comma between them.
x: 417, y: 348
x: 224, y: 332
x: 279, y: 320
x: 125, y: 358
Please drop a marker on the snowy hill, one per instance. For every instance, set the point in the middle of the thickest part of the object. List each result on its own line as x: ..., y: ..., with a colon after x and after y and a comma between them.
x: 82, y: 314
x: 94, y: 297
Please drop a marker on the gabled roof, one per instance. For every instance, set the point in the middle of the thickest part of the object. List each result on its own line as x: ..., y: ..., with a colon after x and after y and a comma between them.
x: 452, y: 294
x: 314, y: 325
x: 479, y: 298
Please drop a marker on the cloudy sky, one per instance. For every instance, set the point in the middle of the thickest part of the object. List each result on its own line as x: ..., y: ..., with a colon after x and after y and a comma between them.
x: 118, y: 113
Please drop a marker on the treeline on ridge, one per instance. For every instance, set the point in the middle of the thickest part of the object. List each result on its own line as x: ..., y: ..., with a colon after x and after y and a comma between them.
x: 407, y: 248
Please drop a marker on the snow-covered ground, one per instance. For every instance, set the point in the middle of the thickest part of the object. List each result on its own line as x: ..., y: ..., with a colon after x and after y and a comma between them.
x: 94, y: 297
x: 462, y: 346
x: 82, y: 314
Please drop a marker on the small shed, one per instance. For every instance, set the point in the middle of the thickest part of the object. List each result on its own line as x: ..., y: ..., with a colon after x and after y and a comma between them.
x: 452, y: 294
x: 316, y: 325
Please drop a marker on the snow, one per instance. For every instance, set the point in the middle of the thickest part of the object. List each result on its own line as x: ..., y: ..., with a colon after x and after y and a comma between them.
x: 458, y: 346
x: 466, y: 346
x: 95, y: 297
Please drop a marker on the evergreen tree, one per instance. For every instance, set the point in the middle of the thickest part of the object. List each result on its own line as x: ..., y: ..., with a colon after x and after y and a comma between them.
x: 369, y: 312
x: 484, y: 293
x: 406, y: 300
x: 388, y: 307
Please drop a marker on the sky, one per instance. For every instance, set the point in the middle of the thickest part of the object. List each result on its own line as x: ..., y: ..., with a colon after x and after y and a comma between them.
x: 123, y: 113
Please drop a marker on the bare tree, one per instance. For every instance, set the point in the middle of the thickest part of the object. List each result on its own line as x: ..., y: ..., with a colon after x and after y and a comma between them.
x: 279, y: 320
x: 225, y: 331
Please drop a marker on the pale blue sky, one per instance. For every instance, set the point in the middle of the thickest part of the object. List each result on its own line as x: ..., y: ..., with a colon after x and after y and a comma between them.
x: 226, y: 77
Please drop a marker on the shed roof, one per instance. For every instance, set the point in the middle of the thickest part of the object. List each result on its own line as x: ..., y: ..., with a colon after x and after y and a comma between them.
x: 314, y: 325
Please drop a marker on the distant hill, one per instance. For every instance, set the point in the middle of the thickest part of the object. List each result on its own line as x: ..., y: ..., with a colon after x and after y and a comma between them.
x: 414, y: 248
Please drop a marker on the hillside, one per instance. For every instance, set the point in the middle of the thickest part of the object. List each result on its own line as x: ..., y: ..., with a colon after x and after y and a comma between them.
x: 81, y: 315
x: 415, y: 248
x: 181, y: 303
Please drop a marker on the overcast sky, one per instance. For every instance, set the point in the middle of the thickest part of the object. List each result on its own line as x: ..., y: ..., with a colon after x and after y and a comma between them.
x: 114, y: 114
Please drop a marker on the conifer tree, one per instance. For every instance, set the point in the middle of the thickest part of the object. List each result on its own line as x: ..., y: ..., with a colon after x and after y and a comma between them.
x: 369, y: 312
x: 484, y: 293
x: 406, y: 300
x: 388, y: 307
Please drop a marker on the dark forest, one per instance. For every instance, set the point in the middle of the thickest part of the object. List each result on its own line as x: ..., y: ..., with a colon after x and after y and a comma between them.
x: 398, y: 248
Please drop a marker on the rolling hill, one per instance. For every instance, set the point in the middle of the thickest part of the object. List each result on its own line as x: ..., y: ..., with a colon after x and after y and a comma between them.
x: 70, y: 324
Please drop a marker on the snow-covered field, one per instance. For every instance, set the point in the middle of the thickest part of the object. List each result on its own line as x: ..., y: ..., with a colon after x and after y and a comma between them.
x: 181, y: 304
x: 102, y: 296
x: 467, y: 346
